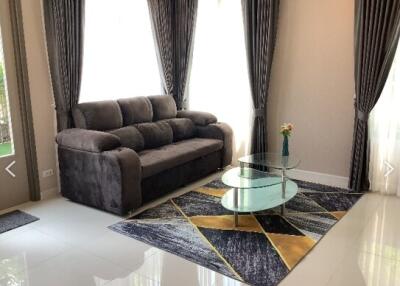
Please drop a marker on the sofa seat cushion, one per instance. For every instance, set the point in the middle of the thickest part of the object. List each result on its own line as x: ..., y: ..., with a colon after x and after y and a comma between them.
x: 157, y: 160
x: 182, y: 128
x: 130, y: 137
x: 155, y: 134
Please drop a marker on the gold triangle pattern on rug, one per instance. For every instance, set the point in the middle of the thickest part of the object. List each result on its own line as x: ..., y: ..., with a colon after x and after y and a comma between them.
x: 292, y: 248
x: 260, y: 251
x: 339, y: 214
x: 226, y: 222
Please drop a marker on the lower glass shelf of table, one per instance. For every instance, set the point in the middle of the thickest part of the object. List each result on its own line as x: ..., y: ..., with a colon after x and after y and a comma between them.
x: 253, y: 191
x: 258, y: 199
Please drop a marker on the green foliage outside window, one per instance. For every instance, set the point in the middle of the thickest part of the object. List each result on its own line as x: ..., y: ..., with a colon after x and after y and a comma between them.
x: 5, y: 144
x: 3, y: 99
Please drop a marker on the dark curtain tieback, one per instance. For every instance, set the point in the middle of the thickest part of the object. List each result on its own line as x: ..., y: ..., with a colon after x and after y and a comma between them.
x: 259, y: 112
x: 362, y: 116
x: 62, y: 112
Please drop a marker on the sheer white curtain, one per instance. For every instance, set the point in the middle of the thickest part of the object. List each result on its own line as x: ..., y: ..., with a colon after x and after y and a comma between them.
x: 385, y: 135
x: 219, y: 79
x: 119, y: 53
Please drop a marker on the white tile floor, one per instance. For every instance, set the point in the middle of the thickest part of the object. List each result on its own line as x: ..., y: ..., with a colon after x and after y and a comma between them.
x: 71, y: 245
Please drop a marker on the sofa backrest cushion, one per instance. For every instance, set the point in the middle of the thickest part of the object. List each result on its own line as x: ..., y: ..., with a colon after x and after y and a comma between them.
x: 130, y: 137
x: 164, y: 107
x: 100, y: 115
x: 136, y: 110
x: 155, y: 134
x: 182, y: 128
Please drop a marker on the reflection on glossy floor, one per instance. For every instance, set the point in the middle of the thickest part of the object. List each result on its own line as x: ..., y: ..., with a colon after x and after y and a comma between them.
x: 71, y: 245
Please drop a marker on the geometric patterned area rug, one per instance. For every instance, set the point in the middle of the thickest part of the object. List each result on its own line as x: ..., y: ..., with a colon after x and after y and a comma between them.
x: 14, y: 219
x: 265, y: 246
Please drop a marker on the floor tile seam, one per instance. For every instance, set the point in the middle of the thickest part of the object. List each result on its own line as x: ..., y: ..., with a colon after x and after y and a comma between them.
x: 315, y: 248
x: 370, y: 212
x: 45, y: 224
x: 381, y: 255
x: 77, y: 260
x: 348, y: 246
x: 2, y: 238
x: 329, y: 233
x: 168, y: 253
x: 104, y: 259
x: 87, y: 251
x: 57, y: 238
x: 156, y: 282
x: 42, y: 222
x: 336, y: 267
x: 40, y: 263
x: 119, y: 265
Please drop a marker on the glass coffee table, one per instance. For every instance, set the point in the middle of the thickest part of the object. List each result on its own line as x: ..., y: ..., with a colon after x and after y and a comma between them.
x: 254, y: 190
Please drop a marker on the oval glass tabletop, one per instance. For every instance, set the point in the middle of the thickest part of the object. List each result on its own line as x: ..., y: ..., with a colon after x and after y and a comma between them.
x: 258, y: 199
x: 272, y: 160
x: 247, y: 178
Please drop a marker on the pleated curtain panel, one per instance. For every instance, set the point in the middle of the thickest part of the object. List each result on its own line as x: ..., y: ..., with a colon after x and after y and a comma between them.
x: 260, y: 26
x: 377, y: 28
x: 173, y: 24
x: 64, y: 24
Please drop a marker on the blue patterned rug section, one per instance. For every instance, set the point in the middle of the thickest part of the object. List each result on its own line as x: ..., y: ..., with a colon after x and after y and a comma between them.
x: 265, y: 246
x: 14, y: 219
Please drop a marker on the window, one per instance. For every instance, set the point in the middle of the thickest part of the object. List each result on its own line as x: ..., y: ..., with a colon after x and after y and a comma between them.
x: 119, y: 53
x: 384, y: 135
x: 6, y: 145
x: 219, y: 80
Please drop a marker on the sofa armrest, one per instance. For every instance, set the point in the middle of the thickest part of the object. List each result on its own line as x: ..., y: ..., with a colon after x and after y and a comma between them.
x: 221, y: 131
x: 198, y: 117
x: 110, y: 180
x: 130, y: 174
x: 87, y: 140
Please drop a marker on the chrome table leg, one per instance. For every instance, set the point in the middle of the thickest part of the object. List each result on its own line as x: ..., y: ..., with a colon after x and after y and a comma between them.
x: 235, y: 203
x: 283, y: 179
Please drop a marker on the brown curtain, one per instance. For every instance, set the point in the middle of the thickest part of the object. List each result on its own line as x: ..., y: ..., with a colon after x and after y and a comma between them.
x: 173, y: 24
x: 64, y: 23
x: 260, y: 25
x: 376, y: 36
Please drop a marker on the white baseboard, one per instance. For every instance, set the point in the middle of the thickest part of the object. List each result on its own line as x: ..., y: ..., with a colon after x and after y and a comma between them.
x: 320, y: 178
x: 49, y: 193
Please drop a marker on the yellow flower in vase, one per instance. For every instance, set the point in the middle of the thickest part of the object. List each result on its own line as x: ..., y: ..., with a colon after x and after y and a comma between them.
x: 286, y: 131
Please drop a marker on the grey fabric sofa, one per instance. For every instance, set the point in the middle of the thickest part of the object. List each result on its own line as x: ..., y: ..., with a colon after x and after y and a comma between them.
x: 125, y: 153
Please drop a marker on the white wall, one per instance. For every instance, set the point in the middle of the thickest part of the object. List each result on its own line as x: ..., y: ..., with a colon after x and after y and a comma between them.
x: 312, y: 83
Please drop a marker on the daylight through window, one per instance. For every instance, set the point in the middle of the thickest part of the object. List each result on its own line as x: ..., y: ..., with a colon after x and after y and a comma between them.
x: 119, y: 53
